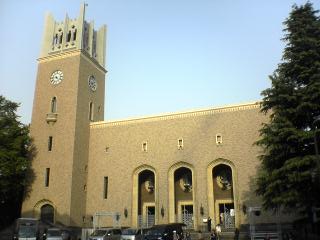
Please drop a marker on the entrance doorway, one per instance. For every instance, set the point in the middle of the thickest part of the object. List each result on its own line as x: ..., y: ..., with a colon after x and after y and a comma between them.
x: 146, y: 199
x: 148, y: 214
x: 151, y: 210
x: 47, y: 214
x: 227, y: 215
x: 222, y: 184
x: 187, y: 215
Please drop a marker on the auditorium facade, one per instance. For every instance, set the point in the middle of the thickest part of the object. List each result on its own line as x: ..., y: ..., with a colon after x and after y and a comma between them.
x: 179, y: 167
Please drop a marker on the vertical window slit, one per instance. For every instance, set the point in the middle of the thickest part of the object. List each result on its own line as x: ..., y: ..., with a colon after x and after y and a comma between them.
x: 50, y: 143
x: 105, y: 188
x: 91, y: 111
x: 53, y: 105
x: 69, y: 36
x: 47, y: 177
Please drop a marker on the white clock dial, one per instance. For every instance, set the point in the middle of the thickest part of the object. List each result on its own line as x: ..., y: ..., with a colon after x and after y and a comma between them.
x: 92, y: 83
x: 56, y: 77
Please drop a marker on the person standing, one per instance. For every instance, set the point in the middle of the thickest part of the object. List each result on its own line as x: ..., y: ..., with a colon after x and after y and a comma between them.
x: 213, y: 235
x: 236, y: 234
x: 218, y: 231
x: 188, y: 236
x: 209, y: 224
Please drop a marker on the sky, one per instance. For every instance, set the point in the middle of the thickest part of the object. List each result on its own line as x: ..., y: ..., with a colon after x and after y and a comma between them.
x: 162, y: 55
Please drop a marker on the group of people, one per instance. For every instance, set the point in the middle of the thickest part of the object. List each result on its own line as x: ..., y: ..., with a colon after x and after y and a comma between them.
x: 215, y: 233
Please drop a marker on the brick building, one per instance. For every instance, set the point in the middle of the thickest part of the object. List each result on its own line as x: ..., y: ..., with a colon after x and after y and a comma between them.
x: 180, y: 167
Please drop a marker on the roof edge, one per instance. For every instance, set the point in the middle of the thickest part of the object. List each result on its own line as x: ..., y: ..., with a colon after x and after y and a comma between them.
x: 176, y: 115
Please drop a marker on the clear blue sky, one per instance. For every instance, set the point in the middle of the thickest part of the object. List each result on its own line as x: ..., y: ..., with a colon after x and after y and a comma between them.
x: 162, y: 55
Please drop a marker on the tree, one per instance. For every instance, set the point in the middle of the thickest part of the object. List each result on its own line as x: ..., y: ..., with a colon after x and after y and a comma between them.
x: 287, y: 179
x: 15, y: 161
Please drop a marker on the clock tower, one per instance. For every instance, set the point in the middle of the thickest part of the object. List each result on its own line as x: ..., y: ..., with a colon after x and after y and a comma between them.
x: 69, y: 95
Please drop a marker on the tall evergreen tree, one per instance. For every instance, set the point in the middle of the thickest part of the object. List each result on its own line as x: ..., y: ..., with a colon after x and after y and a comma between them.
x: 287, y: 176
x: 15, y: 161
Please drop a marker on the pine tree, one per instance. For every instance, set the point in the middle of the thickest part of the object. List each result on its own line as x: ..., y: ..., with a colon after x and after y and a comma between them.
x: 287, y: 177
x: 15, y: 161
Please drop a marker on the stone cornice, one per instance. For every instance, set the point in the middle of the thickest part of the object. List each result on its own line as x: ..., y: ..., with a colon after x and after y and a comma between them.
x: 71, y: 53
x: 201, y: 112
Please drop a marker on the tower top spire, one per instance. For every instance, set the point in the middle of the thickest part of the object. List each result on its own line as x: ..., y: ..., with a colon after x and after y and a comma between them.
x: 74, y: 34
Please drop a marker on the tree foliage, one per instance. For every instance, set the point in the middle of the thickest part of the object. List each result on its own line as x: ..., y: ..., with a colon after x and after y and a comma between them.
x: 15, y: 161
x: 286, y: 178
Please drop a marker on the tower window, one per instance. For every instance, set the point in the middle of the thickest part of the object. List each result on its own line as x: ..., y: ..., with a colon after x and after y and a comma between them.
x: 180, y: 143
x: 144, y: 146
x: 69, y: 36
x: 74, y: 33
x: 91, y: 111
x: 50, y: 143
x: 47, y: 177
x: 105, y: 188
x: 55, y: 39
x: 60, y: 38
x: 218, y: 139
x: 54, y: 105
x: 94, y: 44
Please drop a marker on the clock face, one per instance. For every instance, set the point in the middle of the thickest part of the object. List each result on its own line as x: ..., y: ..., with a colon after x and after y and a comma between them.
x: 56, y: 77
x: 92, y: 83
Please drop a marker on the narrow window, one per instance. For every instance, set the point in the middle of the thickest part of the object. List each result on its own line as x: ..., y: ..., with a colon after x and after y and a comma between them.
x: 53, y: 105
x: 60, y: 39
x: 55, y: 39
x: 144, y: 146
x: 50, y: 143
x: 218, y: 139
x: 105, y: 188
x: 180, y: 143
x: 91, y: 111
x: 94, y: 44
x: 74, y: 34
x: 47, y: 177
x: 69, y: 36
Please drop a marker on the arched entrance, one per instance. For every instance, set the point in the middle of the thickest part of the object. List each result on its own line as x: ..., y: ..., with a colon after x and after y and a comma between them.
x: 145, y: 207
x: 47, y: 213
x: 223, y: 195
x: 223, y: 192
x: 181, y: 195
x: 146, y: 199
